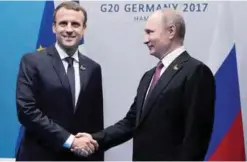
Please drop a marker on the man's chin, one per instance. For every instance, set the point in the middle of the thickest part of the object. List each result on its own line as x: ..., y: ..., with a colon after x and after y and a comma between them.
x: 69, y: 46
x: 155, y: 54
x: 152, y: 54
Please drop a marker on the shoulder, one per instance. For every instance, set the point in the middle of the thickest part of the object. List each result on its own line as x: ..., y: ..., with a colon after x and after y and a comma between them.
x: 34, y: 57
x: 90, y: 61
x: 195, y: 66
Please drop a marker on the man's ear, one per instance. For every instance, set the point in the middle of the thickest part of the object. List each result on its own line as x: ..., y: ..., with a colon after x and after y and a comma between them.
x: 85, y: 27
x: 54, y: 27
x: 172, y: 30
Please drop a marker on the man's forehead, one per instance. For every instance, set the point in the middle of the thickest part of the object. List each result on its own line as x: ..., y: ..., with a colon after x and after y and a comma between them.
x: 150, y: 26
x: 153, y: 21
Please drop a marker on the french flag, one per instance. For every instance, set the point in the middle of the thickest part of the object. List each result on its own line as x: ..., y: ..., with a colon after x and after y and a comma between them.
x: 227, y: 140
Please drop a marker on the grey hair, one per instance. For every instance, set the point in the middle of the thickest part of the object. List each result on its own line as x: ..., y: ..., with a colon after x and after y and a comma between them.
x: 177, y: 20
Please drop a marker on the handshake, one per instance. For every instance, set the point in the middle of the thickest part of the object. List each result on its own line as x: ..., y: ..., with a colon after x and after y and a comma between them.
x: 84, y: 145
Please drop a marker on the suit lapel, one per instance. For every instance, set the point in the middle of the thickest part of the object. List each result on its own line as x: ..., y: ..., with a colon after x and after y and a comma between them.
x: 59, y: 68
x: 143, y: 90
x: 84, y: 70
x: 163, y: 82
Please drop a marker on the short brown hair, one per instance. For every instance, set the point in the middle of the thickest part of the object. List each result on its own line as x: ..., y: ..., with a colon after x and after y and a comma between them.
x: 70, y: 5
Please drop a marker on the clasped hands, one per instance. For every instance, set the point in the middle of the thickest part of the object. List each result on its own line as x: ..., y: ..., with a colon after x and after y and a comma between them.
x: 84, y: 145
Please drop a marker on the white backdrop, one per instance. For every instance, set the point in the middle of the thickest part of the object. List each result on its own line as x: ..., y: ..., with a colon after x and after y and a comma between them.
x: 115, y: 35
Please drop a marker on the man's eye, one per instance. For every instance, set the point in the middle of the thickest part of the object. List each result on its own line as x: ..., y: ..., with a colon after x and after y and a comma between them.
x: 63, y: 24
x: 76, y: 25
x: 149, y: 31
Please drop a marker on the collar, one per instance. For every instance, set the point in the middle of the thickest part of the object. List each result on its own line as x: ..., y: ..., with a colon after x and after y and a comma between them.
x: 63, y: 54
x: 170, y: 57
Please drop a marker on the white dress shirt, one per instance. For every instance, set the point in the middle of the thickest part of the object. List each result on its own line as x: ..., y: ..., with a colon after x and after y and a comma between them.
x: 170, y: 57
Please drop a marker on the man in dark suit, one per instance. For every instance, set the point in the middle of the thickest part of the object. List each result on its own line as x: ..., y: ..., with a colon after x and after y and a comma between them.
x: 59, y: 93
x: 172, y: 115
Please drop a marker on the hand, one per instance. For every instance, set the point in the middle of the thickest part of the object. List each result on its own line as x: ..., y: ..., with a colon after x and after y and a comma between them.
x: 84, y: 144
x: 93, y: 142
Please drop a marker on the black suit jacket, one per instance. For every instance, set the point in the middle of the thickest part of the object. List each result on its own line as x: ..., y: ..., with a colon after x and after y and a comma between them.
x: 45, y: 107
x: 176, y: 121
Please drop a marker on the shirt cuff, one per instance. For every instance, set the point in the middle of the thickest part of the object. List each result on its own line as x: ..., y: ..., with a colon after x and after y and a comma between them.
x: 69, y: 142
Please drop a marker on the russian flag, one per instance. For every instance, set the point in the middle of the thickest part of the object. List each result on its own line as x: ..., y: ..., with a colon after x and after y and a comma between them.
x: 227, y: 140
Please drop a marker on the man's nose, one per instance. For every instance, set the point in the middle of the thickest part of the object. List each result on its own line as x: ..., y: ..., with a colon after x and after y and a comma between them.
x: 69, y: 28
x: 146, y: 40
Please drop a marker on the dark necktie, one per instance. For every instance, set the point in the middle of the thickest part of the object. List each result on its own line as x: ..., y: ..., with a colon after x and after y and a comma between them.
x: 71, y: 76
